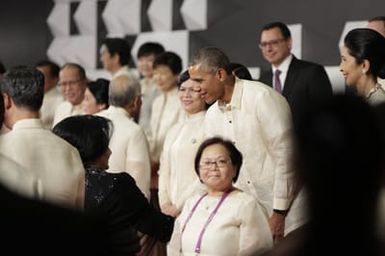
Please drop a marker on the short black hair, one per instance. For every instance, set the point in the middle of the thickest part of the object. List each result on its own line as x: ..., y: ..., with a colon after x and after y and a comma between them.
x: 150, y: 48
x: 234, y: 153
x: 2, y: 68
x: 99, y: 89
x: 211, y: 59
x: 183, y: 77
x: 54, y: 68
x: 240, y: 71
x: 120, y: 47
x: 171, y: 60
x: 378, y: 18
x: 281, y: 26
x: 89, y: 134
x: 25, y: 85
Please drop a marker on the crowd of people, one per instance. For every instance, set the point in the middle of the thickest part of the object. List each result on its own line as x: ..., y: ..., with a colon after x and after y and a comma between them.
x: 202, y: 161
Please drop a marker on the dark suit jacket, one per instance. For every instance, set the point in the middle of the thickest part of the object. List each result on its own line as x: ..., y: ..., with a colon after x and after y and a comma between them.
x: 306, y: 83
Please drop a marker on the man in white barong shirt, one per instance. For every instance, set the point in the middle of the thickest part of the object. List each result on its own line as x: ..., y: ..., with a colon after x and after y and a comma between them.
x: 115, y: 55
x: 258, y: 120
x: 128, y: 144
x: 52, y: 96
x: 72, y: 84
x: 52, y: 160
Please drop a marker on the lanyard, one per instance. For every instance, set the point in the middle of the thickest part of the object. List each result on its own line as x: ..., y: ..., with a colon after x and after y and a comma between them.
x: 210, y: 218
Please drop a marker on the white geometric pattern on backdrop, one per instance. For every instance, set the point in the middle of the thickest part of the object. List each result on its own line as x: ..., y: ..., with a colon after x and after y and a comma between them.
x: 121, y: 18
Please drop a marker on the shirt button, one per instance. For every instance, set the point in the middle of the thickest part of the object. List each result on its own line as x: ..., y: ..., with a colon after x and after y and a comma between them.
x: 248, y: 182
x: 230, y: 121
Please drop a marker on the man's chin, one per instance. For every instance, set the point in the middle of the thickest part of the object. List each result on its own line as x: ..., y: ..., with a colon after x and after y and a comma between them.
x: 210, y: 100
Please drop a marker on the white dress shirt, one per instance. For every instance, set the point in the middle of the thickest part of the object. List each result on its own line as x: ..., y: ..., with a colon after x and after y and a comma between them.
x: 239, y: 227
x: 258, y: 121
x: 129, y: 146
x: 52, y: 99
x: 66, y: 109
x: 123, y: 71
x: 166, y: 111
x: 51, y: 159
x: 284, y: 68
x: 177, y: 177
x: 149, y: 92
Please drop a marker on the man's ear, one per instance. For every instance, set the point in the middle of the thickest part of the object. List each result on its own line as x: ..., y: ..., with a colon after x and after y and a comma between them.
x: 222, y: 74
x: 7, y: 101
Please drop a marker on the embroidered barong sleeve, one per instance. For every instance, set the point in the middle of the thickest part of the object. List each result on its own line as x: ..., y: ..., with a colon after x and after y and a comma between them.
x: 274, y: 113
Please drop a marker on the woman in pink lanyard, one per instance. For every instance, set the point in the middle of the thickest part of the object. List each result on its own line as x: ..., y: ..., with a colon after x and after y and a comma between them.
x: 224, y: 220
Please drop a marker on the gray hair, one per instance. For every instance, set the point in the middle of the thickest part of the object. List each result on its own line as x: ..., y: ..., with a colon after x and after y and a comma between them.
x: 123, y: 91
x: 211, y: 59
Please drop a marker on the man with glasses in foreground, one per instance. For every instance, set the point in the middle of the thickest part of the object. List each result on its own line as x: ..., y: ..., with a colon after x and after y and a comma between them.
x: 72, y: 84
x: 300, y: 82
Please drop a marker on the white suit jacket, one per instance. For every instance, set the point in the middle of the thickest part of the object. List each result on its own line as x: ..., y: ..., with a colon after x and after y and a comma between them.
x: 129, y: 148
x: 54, y: 161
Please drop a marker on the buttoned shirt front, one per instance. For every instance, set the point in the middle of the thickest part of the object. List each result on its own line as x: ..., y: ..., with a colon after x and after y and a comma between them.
x: 284, y: 68
x: 258, y: 121
x: 129, y: 147
x: 177, y: 178
x: 239, y: 227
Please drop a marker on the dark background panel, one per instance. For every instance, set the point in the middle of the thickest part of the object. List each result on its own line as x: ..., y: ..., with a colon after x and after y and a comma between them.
x: 24, y: 34
x: 233, y: 25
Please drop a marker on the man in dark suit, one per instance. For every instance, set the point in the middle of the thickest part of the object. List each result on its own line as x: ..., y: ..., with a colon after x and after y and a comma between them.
x: 300, y: 82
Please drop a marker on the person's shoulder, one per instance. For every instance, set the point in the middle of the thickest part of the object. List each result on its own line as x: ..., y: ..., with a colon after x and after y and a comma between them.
x: 305, y: 64
x: 122, y: 178
x: 256, y: 89
x: 242, y: 196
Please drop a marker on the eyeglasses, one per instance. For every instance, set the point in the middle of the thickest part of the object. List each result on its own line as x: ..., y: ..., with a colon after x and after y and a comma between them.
x: 272, y: 43
x: 68, y: 83
x: 220, y: 163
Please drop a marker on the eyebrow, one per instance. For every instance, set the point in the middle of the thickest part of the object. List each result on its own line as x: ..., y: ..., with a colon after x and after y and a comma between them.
x: 197, y: 79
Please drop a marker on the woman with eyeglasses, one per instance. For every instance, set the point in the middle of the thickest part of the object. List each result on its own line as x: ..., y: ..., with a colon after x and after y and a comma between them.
x: 177, y: 178
x: 224, y: 220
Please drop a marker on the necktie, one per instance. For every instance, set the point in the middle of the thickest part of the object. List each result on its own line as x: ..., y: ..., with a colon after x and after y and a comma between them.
x: 277, y: 81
